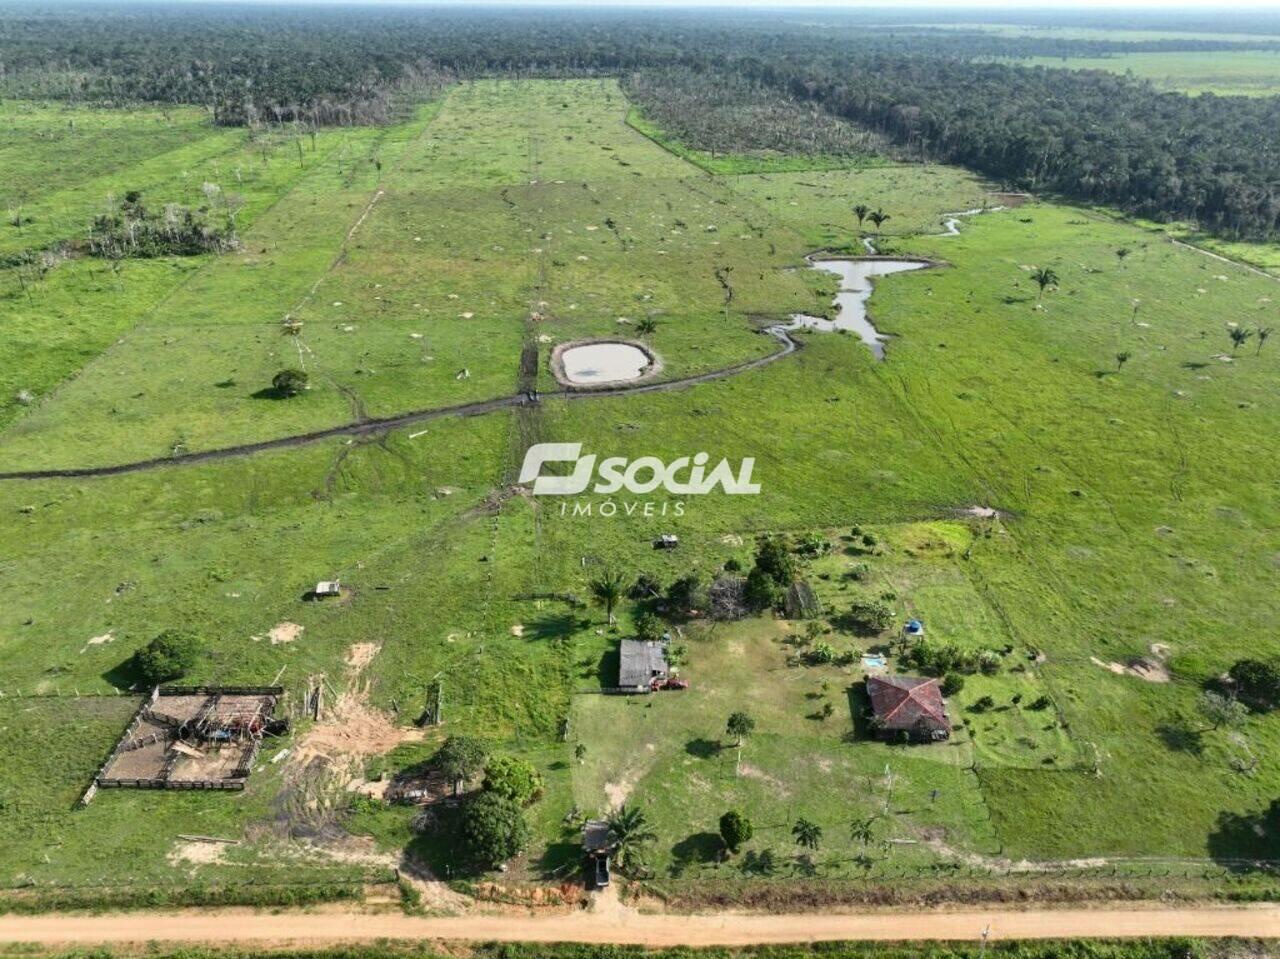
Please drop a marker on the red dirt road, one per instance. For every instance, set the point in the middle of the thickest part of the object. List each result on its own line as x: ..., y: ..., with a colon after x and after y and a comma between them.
x: 331, y: 928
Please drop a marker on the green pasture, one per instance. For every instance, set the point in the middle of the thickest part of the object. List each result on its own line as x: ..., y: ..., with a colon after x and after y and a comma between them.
x: 1136, y: 501
x: 1228, y: 73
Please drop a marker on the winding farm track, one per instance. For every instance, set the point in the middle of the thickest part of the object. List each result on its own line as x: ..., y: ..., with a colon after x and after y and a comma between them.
x: 787, y: 346
x: 624, y: 926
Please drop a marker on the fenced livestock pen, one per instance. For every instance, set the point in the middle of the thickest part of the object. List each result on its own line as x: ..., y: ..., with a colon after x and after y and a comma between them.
x: 192, y: 737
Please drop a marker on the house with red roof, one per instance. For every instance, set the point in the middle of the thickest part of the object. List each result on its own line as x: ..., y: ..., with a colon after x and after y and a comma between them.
x: 908, y: 707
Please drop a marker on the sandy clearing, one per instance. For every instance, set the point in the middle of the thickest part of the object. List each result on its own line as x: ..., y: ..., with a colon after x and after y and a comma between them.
x: 624, y: 926
x: 281, y: 633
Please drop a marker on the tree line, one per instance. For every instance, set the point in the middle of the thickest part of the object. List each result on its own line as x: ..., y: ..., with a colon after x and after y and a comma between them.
x: 941, y: 94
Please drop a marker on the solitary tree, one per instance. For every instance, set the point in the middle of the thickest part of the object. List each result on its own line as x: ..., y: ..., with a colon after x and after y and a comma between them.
x: 739, y: 726
x: 735, y: 830
x: 1045, y: 277
x: 1240, y: 335
x: 580, y: 753
x: 1264, y: 333
x: 607, y: 589
x: 630, y: 833
x: 861, y: 211
x: 647, y: 327
x: 808, y: 835
x: 1122, y: 358
x: 878, y: 217
x: 1219, y: 710
x: 493, y: 829
x: 1122, y: 253
x: 289, y: 382
x: 169, y: 656
x: 461, y: 759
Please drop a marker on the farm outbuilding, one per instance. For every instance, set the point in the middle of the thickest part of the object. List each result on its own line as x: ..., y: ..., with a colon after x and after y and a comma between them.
x: 910, y: 707
x: 597, y: 845
x: 328, y: 587
x: 642, y: 664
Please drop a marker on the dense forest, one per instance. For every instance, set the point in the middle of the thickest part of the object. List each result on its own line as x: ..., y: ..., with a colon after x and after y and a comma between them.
x: 931, y: 91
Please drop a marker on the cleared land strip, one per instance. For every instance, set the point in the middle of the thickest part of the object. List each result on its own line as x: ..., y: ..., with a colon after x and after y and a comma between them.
x: 625, y: 926
x: 787, y: 346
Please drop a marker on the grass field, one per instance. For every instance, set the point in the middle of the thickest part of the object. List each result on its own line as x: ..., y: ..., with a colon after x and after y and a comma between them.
x: 1234, y: 73
x: 1138, y: 508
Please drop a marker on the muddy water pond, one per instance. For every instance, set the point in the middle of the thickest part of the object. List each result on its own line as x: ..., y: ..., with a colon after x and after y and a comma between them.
x: 596, y: 364
x: 851, y: 299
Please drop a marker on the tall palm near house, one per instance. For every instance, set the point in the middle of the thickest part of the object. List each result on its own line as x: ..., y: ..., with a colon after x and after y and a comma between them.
x: 861, y: 211
x: 878, y: 217
x: 647, y: 327
x: 606, y: 590
x: 630, y: 833
x: 1240, y: 335
x: 808, y: 835
x: 1045, y: 278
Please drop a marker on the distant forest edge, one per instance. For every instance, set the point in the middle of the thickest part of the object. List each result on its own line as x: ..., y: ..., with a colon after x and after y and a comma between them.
x: 721, y: 82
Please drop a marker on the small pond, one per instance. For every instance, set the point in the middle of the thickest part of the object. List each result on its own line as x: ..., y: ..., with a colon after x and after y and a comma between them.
x: 593, y: 364
x: 851, y: 299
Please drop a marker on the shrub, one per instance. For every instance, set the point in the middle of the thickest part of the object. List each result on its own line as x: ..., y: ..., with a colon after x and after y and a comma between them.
x: 952, y: 684
x: 821, y: 654
x: 858, y: 573
x: 732, y: 565
x: 1041, y: 702
x: 289, y: 382
x: 169, y: 656
x: 493, y: 829
x: 735, y: 830
x: 812, y: 545
x: 648, y: 626
x: 989, y: 662
x: 512, y: 779
x: 983, y: 704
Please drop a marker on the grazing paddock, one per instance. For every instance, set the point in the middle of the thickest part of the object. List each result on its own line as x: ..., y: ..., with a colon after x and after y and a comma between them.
x: 1027, y: 494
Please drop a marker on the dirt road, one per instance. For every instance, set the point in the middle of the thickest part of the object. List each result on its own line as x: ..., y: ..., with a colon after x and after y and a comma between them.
x: 625, y: 926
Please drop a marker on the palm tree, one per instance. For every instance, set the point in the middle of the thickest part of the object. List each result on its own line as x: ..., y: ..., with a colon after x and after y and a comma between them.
x: 647, y: 327
x: 606, y: 590
x: 629, y: 831
x: 1044, y: 277
x: 739, y: 726
x: 878, y: 217
x: 808, y: 835
x: 863, y: 830
x: 1263, y: 333
x: 861, y: 211
x: 1239, y: 337
x: 1122, y: 358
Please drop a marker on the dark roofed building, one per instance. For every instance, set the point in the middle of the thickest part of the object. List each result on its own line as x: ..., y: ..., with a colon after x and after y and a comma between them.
x: 910, y: 706
x: 642, y: 663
